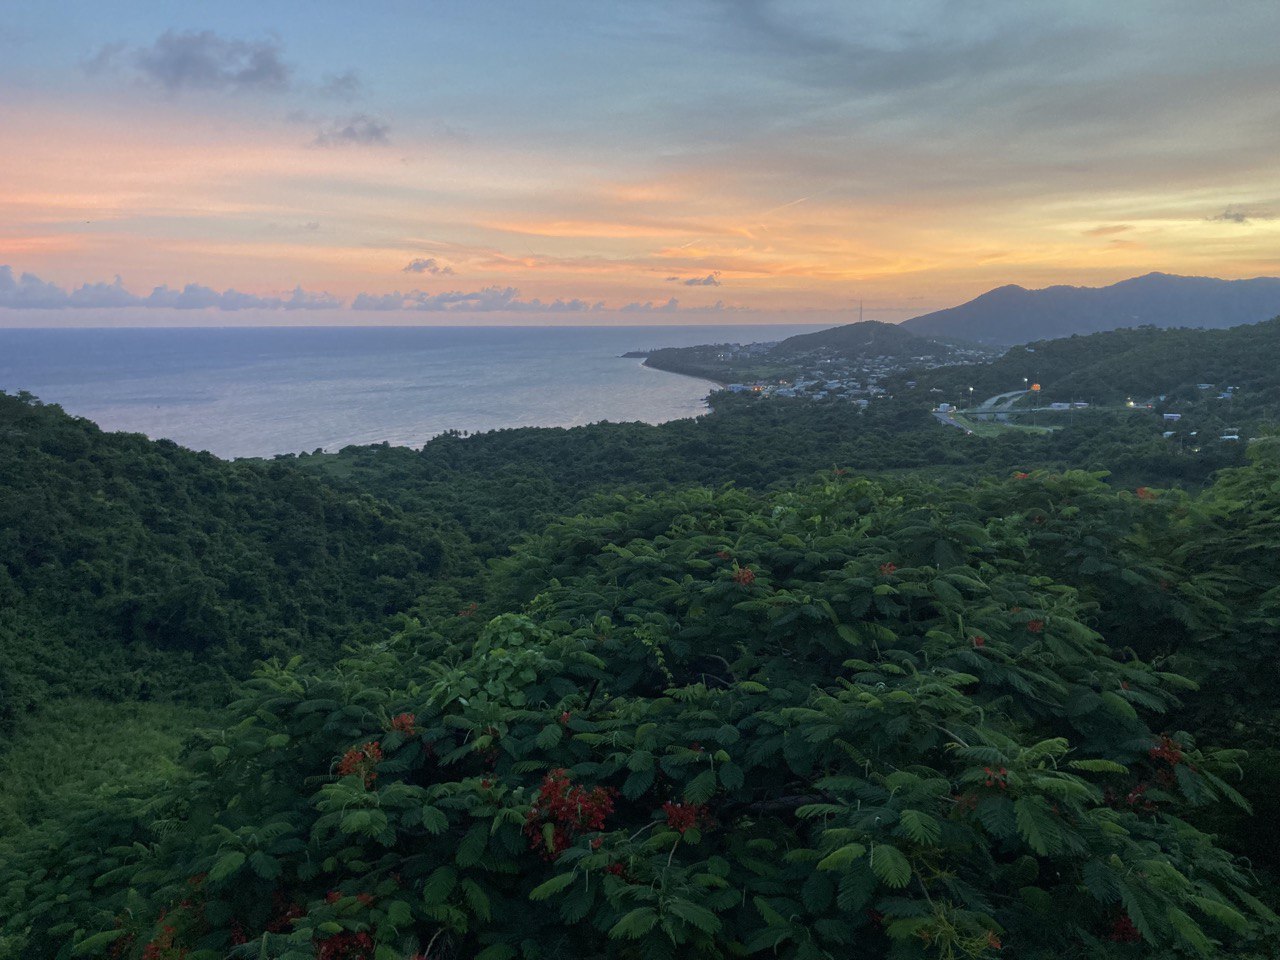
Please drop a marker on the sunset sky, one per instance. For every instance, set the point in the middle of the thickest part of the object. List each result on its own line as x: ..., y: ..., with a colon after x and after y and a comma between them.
x: 693, y: 161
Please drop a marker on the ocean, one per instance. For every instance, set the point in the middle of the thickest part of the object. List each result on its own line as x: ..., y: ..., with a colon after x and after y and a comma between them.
x: 258, y: 392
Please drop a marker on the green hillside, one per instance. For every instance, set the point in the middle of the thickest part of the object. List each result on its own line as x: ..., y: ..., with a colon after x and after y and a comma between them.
x: 789, y: 679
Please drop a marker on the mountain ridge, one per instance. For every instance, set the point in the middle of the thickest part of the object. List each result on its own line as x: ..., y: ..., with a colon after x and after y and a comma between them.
x: 1012, y: 314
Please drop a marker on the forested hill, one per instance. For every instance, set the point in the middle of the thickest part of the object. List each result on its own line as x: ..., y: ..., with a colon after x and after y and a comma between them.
x: 1186, y: 366
x: 1013, y: 314
x: 135, y: 568
x: 127, y: 563
x: 866, y: 338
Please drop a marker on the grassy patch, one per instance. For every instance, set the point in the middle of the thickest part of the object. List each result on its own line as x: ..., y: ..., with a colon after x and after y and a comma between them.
x: 86, y: 749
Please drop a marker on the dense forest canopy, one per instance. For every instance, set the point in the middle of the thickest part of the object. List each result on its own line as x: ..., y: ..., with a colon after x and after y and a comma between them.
x: 791, y: 679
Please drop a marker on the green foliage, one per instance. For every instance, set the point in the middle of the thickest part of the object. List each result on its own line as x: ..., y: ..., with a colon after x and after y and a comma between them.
x: 851, y: 716
x: 130, y: 569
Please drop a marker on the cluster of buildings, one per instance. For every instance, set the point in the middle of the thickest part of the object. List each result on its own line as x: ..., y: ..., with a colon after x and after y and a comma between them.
x: 856, y: 379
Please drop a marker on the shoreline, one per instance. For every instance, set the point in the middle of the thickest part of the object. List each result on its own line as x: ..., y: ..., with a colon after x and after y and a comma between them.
x: 692, y: 376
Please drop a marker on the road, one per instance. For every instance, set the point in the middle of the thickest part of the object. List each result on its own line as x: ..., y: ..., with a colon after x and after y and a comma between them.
x: 950, y: 421
x: 994, y: 403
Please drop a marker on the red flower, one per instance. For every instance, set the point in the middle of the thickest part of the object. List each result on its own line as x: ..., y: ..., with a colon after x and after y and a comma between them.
x: 686, y: 816
x: 345, y: 946
x: 1021, y: 476
x: 1123, y: 930
x: 1168, y: 750
x: 723, y: 554
x: 404, y: 723
x: 469, y: 610
x: 568, y: 809
x: 362, y: 761
x: 333, y: 896
x: 1035, y: 626
x: 888, y: 569
x: 616, y: 870
x: 993, y: 941
x: 997, y: 778
x: 1145, y: 493
x: 744, y: 576
x: 564, y: 718
x: 979, y: 641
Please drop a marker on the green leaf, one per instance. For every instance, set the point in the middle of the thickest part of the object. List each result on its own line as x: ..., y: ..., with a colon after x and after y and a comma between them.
x: 1099, y: 766
x: 700, y: 917
x: 433, y: 820
x: 268, y: 868
x: 635, y: 924
x: 731, y: 775
x: 921, y: 827
x: 1223, y: 913
x: 227, y: 864
x: 1189, y: 931
x: 95, y: 943
x: 1119, y: 705
x: 890, y: 865
x: 477, y: 900
x: 473, y: 845
x: 439, y: 885
x: 637, y: 783
x: 842, y: 857
x: 551, y: 735
x: 399, y: 913
x: 553, y: 886
x: 1036, y: 825
x: 701, y: 787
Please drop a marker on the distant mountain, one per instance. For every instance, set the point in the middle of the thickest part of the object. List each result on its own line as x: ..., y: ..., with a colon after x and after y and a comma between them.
x: 1013, y: 314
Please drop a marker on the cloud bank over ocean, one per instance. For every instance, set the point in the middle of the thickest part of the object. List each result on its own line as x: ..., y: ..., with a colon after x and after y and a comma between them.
x: 27, y: 291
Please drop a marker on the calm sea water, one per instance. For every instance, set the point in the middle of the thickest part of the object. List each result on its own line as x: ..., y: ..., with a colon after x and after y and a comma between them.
x: 268, y: 390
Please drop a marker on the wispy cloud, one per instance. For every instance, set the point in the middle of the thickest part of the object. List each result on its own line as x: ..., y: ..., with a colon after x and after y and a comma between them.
x: 204, y: 60
x: 341, y: 86
x: 428, y: 265
x: 1245, y: 214
x: 1108, y: 230
x: 357, y: 130
x: 710, y: 280
x: 28, y: 291
x: 487, y: 300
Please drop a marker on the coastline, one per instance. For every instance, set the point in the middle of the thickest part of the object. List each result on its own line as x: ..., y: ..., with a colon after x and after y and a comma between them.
x: 679, y: 373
